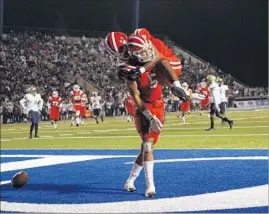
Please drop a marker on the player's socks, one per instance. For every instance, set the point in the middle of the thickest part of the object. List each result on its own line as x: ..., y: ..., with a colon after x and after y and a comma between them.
x: 148, y: 167
x: 211, y: 124
x: 77, y: 121
x: 55, y: 125
x: 183, y: 119
x: 31, y: 129
x: 36, y: 129
x: 134, y: 172
x: 102, y: 119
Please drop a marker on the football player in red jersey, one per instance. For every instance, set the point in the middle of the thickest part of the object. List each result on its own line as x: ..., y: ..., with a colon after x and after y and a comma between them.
x: 205, y: 103
x: 130, y: 107
x: 76, y: 98
x: 149, y: 116
x: 185, y: 107
x: 116, y: 46
x: 54, y: 104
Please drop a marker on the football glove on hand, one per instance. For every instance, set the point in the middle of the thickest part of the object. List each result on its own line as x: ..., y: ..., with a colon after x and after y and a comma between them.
x: 122, y: 74
x: 130, y: 75
x: 133, y: 74
x: 155, y: 124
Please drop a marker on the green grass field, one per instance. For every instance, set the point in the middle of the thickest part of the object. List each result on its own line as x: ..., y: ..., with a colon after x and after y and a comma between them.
x: 250, y: 131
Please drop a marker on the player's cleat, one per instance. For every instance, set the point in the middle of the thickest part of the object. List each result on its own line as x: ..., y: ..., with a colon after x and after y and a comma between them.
x: 180, y: 93
x: 55, y: 125
x: 30, y: 136
x: 231, y: 123
x: 129, y: 186
x: 150, y: 192
x: 36, y: 136
x: 210, y: 129
x: 77, y: 125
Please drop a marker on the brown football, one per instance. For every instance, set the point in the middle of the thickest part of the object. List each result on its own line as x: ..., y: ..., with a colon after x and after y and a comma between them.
x: 19, y: 179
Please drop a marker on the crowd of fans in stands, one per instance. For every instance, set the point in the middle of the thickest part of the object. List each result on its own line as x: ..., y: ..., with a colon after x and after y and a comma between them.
x: 52, y: 62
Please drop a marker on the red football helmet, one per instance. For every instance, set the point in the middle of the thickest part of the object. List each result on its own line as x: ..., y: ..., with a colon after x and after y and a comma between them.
x: 141, y: 48
x: 115, y: 45
x: 142, y: 32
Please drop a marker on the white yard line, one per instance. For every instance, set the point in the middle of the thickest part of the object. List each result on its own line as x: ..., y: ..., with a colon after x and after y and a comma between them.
x: 136, y: 136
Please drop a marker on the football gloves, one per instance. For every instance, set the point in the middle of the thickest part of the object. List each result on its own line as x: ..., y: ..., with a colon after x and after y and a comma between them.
x: 130, y: 75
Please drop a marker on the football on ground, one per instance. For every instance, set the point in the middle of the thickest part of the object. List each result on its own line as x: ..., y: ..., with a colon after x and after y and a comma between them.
x: 19, y: 179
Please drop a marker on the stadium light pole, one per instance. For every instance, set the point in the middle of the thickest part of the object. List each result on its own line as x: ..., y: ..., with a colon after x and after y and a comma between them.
x: 1, y: 16
x: 136, y: 14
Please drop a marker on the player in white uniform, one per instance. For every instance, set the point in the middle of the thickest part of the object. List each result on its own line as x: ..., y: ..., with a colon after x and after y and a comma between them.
x: 32, y: 104
x: 215, y: 103
x: 96, y: 107
x: 223, y: 97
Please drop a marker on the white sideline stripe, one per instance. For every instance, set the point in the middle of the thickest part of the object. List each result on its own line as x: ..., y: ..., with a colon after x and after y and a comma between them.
x: 232, y: 199
x: 209, y: 159
x: 133, y: 129
x: 4, y: 140
x: 136, y: 136
x: 84, y: 148
x: 5, y: 182
x: 46, y: 160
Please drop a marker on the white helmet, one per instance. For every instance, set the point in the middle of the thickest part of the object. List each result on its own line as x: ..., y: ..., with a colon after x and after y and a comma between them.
x: 140, y: 48
x: 55, y: 94
x: 211, y: 78
x: 185, y: 85
x: 75, y: 87
x: 33, y: 90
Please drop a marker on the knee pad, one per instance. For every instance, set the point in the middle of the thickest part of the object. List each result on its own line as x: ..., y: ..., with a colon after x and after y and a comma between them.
x: 147, y: 147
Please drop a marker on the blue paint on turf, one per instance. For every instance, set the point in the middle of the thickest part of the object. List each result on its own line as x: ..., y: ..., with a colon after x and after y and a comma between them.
x: 99, y: 181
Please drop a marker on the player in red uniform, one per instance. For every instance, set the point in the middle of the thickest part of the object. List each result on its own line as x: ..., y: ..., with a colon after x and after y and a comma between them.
x: 76, y: 98
x: 185, y: 107
x: 130, y: 107
x: 54, y: 105
x: 149, y: 116
x: 84, y: 101
x: 205, y: 103
x: 167, y: 53
x: 116, y: 46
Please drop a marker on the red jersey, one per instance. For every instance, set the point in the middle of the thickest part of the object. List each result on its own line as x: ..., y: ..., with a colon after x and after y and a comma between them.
x: 130, y: 105
x: 205, y: 92
x: 76, y: 97
x: 160, y: 46
x: 149, y: 88
x: 84, y: 100
x: 55, y: 102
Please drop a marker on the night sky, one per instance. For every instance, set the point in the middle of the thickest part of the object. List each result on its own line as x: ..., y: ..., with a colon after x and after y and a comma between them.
x: 230, y: 34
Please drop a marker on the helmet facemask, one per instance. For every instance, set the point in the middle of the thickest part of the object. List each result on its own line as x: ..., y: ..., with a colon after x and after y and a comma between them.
x: 143, y: 53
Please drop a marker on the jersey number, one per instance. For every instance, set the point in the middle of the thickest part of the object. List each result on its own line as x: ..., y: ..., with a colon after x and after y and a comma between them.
x: 54, y: 103
x: 152, y: 81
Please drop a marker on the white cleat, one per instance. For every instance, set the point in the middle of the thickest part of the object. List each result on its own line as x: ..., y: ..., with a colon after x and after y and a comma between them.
x: 150, y: 192
x: 129, y: 186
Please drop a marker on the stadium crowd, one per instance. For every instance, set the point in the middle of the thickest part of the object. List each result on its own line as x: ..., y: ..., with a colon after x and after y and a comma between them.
x: 52, y: 62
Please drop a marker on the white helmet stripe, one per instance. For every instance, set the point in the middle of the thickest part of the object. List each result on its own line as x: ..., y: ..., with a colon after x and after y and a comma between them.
x: 114, y: 42
x: 136, y: 44
x: 140, y: 39
x: 108, y: 47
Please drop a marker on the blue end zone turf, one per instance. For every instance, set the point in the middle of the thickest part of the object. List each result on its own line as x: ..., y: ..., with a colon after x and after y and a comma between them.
x: 82, y: 179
